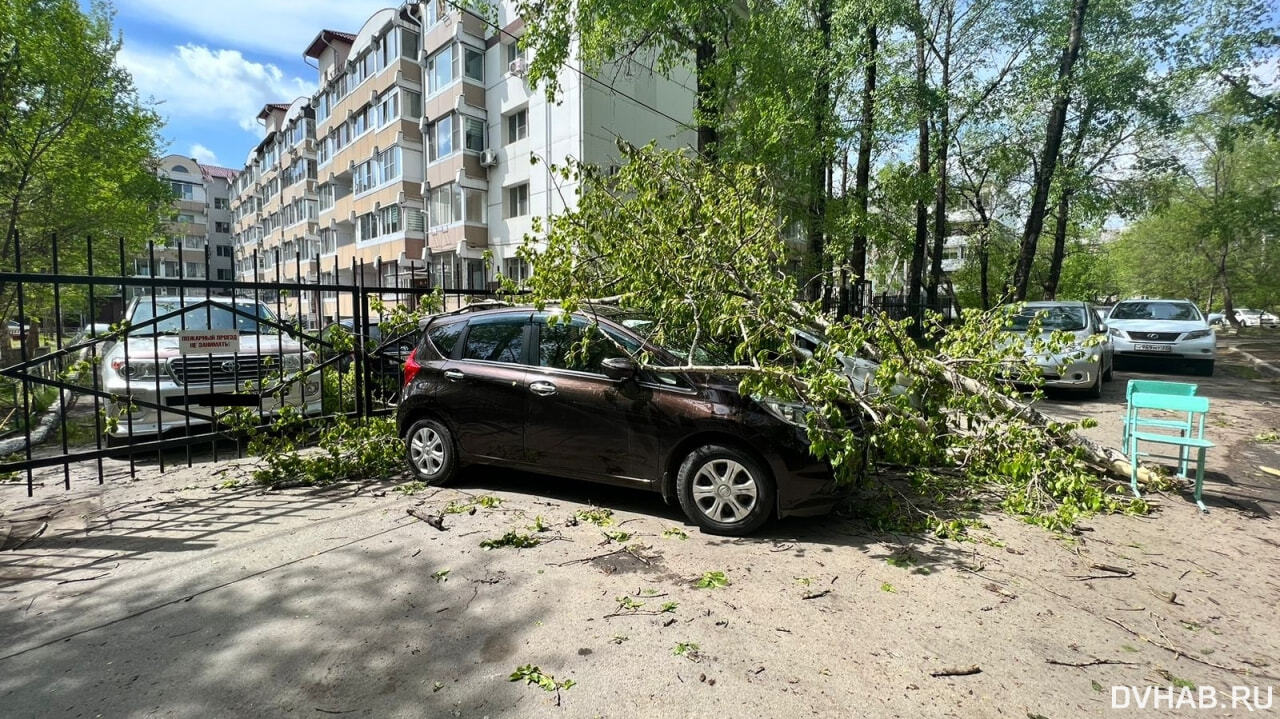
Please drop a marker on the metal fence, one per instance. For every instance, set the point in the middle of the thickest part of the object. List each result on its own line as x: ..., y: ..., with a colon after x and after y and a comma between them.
x: 111, y: 355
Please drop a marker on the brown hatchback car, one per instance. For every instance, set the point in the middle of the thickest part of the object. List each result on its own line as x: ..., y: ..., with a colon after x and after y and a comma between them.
x: 502, y: 387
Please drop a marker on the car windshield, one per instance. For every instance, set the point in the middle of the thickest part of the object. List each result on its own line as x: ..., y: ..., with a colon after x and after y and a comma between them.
x: 201, y: 315
x: 1067, y: 318
x: 1173, y: 311
x: 705, y: 354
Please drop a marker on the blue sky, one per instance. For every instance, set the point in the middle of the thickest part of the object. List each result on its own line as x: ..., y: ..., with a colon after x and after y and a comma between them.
x: 210, y: 66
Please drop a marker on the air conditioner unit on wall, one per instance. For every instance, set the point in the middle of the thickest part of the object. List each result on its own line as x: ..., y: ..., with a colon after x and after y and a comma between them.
x: 517, y: 67
x: 488, y: 158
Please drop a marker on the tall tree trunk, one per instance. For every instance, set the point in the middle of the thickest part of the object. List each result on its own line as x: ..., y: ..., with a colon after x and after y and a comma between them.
x: 916, y: 271
x: 984, y: 264
x: 707, y: 111
x: 820, y: 169
x: 1059, y: 244
x: 1049, y: 154
x: 862, y: 182
x: 942, y: 142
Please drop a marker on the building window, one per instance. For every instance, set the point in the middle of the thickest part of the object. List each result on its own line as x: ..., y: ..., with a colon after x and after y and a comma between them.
x: 364, y: 177
x: 442, y: 69
x: 326, y: 196
x: 412, y: 104
x: 473, y: 64
x: 515, y: 269
x: 388, y: 107
x: 440, y: 137
x: 473, y: 205
x: 409, y: 44
x: 436, y: 11
x: 223, y: 250
x: 186, y: 217
x: 181, y: 168
x: 367, y: 227
x: 224, y: 227
x: 194, y: 269
x: 219, y: 203
x: 513, y: 51
x: 517, y: 126
x: 225, y: 274
x: 184, y: 190
x: 444, y: 205
x: 389, y: 220
x: 517, y: 201
x: 474, y: 135
x: 390, y: 161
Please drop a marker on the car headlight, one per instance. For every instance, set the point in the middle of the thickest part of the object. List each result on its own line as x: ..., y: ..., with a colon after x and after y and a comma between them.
x: 788, y: 412
x: 1197, y: 334
x: 135, y: 369
x: 1117, y: 333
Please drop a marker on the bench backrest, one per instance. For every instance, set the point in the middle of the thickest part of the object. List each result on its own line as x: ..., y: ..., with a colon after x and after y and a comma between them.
x: 1150, y: 386
x: 1169, y: 402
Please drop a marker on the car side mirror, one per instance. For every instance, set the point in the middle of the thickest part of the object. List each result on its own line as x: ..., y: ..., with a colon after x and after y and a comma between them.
x: 619, y: 368
x: 1102, y: 328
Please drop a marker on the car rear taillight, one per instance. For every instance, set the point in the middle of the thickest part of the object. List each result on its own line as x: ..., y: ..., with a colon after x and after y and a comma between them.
x: 411, y: 366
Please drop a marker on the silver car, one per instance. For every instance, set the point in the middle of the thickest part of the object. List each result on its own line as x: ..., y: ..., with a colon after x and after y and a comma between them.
x: 1164, y: 330
x: 149, y: 366
x: 1083, y: 365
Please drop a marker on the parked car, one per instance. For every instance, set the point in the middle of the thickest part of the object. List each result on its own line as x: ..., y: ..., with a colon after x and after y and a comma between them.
x: 147, y: 364
x: 1172, y: 329
x: 17, y: 330
x: 1077, y: 367
x: 384, y: 359
x: 1216, y: 319
x: 499, y: 387
x: 1257, y: 318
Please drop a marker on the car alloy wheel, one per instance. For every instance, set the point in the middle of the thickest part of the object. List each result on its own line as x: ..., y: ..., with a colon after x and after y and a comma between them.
x: 429, y: 449
x: 725, y: 491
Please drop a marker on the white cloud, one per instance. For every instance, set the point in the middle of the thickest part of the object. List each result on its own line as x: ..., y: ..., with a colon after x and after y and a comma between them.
x: 193, y: 81
x: 203, y: 155
x: 282, y: 28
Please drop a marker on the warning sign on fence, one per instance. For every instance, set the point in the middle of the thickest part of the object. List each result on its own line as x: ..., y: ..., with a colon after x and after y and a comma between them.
x: 203, y: 342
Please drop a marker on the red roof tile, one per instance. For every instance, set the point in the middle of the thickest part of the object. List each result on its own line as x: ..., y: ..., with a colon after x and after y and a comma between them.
x: 325, y: 38
x: 225, y: 173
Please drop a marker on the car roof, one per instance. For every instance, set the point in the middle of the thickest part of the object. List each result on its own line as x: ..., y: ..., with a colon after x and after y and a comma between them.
x: 1055, y: 303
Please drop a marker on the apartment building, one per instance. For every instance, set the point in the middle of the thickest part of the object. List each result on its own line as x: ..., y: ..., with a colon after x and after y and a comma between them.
x: 424, y: 135
x: 202, y: 201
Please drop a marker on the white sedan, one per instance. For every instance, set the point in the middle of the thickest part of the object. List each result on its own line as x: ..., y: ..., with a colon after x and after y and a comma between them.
x: 1171, y: 329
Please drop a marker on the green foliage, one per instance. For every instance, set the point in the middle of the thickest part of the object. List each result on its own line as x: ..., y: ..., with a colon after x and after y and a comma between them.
x: 596, y: 516
x: 688, y: 650
x: 538, y: 525
x: 668, y: 607
x: 531, y: 674
x: 675, y: 533
x: 409, y: 489
x: 441, y: 575
x: 617, y: 536
x: 488, y: 501
x: 511, y: 539
x: 343, y: 449
x: 948, y: 403
x: 627, y: 604
x: 887, y: 587
x: 712, y: 580
x: 1268, y: 436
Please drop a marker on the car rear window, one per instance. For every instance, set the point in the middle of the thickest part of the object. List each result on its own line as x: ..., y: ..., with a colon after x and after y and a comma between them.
x: 496, y: 340
x: 1173, y: 311
x: 445, y: 336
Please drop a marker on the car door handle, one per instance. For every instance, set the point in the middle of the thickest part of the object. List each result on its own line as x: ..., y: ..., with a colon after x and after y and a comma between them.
x: 453, y: 374
x: 542, y: 389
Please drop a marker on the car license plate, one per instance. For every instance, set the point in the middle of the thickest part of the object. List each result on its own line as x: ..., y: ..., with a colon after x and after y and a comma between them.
x: 1153, y: 348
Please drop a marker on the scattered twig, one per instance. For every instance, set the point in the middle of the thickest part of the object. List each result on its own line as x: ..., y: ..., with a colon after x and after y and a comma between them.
x: 1087, y: 577
x: 23, y: 543
x: 817, y: 595
x: 88, y: 579
x: 625, y: 550
x: 435, y: 520
x: 1093, y: 663
x: 1111, y: 568
x: 957, y: 671
x: 1181, y: 654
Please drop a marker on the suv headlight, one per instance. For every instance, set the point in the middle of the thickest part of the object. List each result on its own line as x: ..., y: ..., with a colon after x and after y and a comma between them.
x: 1197, y: 334
x: 1117, y: 333
x: 789, y: 412
x: 135, y: 368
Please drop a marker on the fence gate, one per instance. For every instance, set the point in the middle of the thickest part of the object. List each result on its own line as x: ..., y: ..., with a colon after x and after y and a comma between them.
x: 111, y: 360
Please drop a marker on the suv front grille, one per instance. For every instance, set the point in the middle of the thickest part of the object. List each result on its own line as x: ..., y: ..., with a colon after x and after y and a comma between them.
x: 1155, y: 336
x: 218, y: 369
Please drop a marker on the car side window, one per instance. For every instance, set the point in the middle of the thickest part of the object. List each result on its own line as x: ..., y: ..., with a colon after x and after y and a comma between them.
x: 496, y: 340
x: 445, y: 336
x: 558, y: 348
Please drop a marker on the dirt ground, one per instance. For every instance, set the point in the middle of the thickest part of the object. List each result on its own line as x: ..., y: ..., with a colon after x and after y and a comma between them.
x: 166, y: 596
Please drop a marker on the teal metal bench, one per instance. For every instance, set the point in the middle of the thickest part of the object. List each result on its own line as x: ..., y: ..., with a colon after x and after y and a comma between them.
x: 1146, y: 386
x: 1190, y: 434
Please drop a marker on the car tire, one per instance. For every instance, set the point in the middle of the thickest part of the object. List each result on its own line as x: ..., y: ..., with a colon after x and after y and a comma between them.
x: 1095, y: 390
x: 430, y: 451
x: 1204, y: 368
x: 712, y: 474
x: 1109, y: 374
